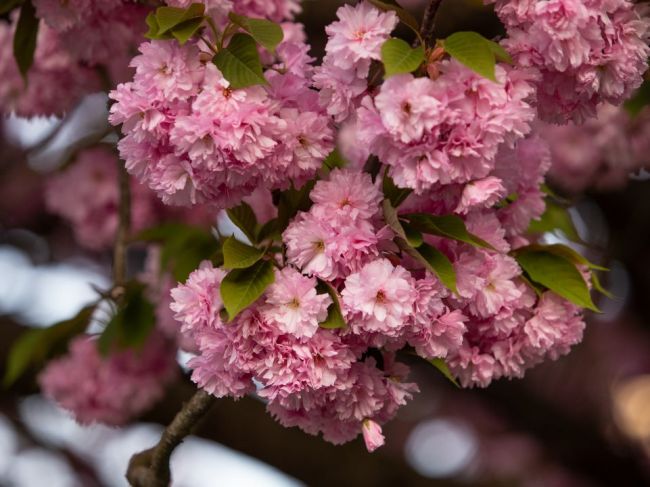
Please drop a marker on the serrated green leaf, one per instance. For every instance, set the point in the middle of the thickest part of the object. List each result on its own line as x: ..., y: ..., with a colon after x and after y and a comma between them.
x: 268, y: 34
x: 334, y: 318
x: 398, y: 57
x: 243, y: 217
x: 449, y: 226
x: 25, y: 38
x: 242, y: 287
x: 238, y: 255
x: 239, y: 62
x: 472, y: 50
x: 34, y: 347
x: 404, y: 16
x: 395, y: 194
x: 441, y: 365
x: 169, y: 18
x: 556, y: 273
x: 555, y: 218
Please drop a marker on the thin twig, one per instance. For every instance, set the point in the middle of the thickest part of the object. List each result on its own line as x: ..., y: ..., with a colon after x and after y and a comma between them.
x: 124, y: 225
x: 429, y: 20
x: 150, y: 468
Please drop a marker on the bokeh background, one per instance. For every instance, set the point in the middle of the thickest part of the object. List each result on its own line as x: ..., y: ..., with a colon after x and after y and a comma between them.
x: 581, y: 421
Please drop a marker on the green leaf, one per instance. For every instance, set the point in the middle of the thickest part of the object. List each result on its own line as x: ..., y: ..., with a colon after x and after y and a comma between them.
x: 441, y: 365
x: 639, y: 101
x: 238, y: 255
x: 242, y: 287
x: 440, y: 265
x: 405, y: 17
x: 431, y: 258
x: 25, y: 38
x: 392, y: 220
x: 395, y: 194
x: 474, y: 51
x: 240, y: 63
x: 334, y: 160
x: 499, y: 52
x: 398, y: 57
x: 132, y: 324
x: 243, y: 217
x: 183, y: 247
x: 556, y: 273
x: 169, y: 18
x: 568, y: 253
x: 185, y: 31
x: 270, y: 230
x: 268, y: 34
x: 334, y: 318
x: 413, y: 236
x: 555, y: 218
x: 595, y: 281
x: 292, y: 201
x: 35, y: 347
x: 448, y: 226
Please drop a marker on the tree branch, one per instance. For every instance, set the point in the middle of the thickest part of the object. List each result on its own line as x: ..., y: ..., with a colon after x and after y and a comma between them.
x: 150, y: 468
x: 428, y: 21
x: 124, y: 225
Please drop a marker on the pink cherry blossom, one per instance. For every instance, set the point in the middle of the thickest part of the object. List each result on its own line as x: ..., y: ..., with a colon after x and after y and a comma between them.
x: 380, y: 297
x: 294, y: 305
x: 372, y: 435
x: 358, y: 34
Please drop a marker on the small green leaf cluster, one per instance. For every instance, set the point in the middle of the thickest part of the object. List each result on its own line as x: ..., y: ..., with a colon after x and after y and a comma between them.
x: 235, y: 49
x: 469, y: 48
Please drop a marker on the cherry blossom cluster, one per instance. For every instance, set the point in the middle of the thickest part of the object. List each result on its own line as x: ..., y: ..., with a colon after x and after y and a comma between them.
x: 600, y: 154
x: 111, y: 389
x: 585, y: 51
x: 357, y: 276
x: 92, y: 177
x: 95, y: 32
x: 193, y: 139
x: 56, y: 80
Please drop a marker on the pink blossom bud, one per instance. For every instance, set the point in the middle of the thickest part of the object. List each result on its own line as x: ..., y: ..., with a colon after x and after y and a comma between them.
x: 372, y: 435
